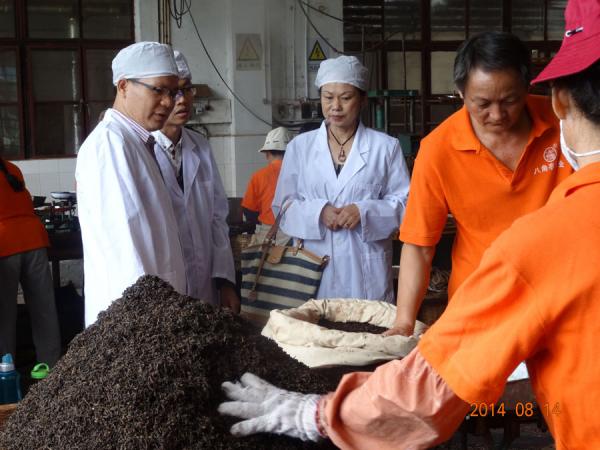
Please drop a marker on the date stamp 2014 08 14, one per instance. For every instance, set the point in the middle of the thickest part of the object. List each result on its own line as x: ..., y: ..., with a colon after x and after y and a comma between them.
x: 522, y: 409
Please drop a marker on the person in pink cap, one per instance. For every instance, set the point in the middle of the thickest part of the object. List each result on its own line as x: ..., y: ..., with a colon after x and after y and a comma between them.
x: 534, y: 297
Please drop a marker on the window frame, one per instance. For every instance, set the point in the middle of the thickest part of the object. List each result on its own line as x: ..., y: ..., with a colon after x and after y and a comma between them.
x: 426, y: 46
x: 19, y: 103
x: 24, y: 46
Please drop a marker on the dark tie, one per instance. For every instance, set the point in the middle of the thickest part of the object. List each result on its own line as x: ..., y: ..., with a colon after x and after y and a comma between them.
x: 150, y: 146
x: 180, y: 176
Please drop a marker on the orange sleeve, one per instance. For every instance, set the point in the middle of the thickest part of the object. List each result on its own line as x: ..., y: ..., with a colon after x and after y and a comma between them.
x: 251, y: 200
x: 403, y: 404
x: 427, y: 208
x: 492, y: 324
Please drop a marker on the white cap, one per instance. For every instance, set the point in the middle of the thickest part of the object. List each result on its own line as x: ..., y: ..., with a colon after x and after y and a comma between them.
x: 144, y: 60
x: 277, y: 139
x: 182, y: 66
x: 343, y: 69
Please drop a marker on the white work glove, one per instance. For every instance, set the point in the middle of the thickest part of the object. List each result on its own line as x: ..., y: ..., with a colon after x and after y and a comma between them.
x: 268, y: 409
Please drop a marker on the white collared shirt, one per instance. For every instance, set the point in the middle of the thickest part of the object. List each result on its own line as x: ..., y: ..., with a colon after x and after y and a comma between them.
x: 173, y: 151
x: 129, y: 122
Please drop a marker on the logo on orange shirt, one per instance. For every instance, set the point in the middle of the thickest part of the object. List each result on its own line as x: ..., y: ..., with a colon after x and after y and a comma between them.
x: 550, y: 154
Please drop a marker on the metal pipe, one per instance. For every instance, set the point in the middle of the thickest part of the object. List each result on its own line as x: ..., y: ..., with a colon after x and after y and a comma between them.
x: 404, y: 60
x: 167, y: 20
x: 306, y: 94
x: 164, y: 22
x: 294, y: 50
x: 267, y: 56
x: 160, y: 24
x: 362, y: 43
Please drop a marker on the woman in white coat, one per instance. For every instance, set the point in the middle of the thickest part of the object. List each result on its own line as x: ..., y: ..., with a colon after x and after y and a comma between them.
x: 346, y: 186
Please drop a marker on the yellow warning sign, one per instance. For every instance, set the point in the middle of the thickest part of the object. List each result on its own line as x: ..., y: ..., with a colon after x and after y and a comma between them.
x: 317, y: 53
x: 248, y: 52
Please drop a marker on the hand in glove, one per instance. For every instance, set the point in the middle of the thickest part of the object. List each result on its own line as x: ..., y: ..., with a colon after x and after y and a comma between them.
x: 268, y: 409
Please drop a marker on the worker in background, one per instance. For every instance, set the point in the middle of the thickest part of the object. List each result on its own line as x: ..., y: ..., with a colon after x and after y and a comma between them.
x: 494, y: 160
x: 345, y: 187
x: 257, y: 201
x: 199, y: 200
x: 128, y: 226
x: 534, y: 297
x: 24, y: 260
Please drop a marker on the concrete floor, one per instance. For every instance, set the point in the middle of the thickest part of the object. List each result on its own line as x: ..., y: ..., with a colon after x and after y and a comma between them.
x: 70, y: 315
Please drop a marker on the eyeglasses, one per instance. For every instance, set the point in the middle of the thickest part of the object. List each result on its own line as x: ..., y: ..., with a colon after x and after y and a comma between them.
x: 186, y: 91
x: 162, y: 91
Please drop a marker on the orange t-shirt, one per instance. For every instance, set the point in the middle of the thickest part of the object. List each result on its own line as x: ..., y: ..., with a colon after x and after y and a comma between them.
x: 454, y: 173
x: 535, y: 297
x: 261, y: 191
x: 20, y: 229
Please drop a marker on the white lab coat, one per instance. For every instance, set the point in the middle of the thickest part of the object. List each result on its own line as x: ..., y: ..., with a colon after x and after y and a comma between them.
x: 374, y: 178
x: 127, y: 222
x: 201, y: 211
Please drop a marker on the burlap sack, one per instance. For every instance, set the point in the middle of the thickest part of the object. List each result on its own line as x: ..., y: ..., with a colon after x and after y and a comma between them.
x: 297, y: 333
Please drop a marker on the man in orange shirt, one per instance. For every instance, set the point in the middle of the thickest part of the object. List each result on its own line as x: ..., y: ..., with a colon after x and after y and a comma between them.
x: 491, y: 162
x: 24, y: 260
x: 534, y: 297
x: 261, y: 188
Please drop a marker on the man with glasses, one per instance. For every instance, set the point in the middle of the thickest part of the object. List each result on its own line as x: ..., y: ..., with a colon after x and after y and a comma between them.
x: 128, y: 226
x: 199, y: 200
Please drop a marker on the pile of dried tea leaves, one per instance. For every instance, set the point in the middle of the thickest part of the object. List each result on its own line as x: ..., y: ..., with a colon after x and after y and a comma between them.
x: 147, y: 375
x: 351, y: 327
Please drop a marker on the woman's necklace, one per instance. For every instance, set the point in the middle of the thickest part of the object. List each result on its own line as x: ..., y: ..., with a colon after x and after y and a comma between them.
x: 342, y: 153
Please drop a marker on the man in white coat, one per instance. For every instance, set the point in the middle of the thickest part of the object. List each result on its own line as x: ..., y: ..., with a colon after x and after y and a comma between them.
x: 128, y: 226
x: 346, y: 187
x: 199, y: 201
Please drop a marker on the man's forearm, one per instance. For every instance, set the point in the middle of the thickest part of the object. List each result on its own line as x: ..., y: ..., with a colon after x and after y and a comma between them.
x: 413, y: 279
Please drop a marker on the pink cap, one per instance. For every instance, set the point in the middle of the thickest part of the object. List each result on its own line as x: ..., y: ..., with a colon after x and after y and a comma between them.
x: 580, y: 46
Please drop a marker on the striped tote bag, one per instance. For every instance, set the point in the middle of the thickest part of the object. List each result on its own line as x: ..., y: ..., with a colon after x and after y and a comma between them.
x: 278, y: 277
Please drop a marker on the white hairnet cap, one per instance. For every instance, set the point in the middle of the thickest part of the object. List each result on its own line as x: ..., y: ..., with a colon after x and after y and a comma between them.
x: 343, y: 69
x: 182, y: 65
x: 144, y: 60
x: 277, y: 139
